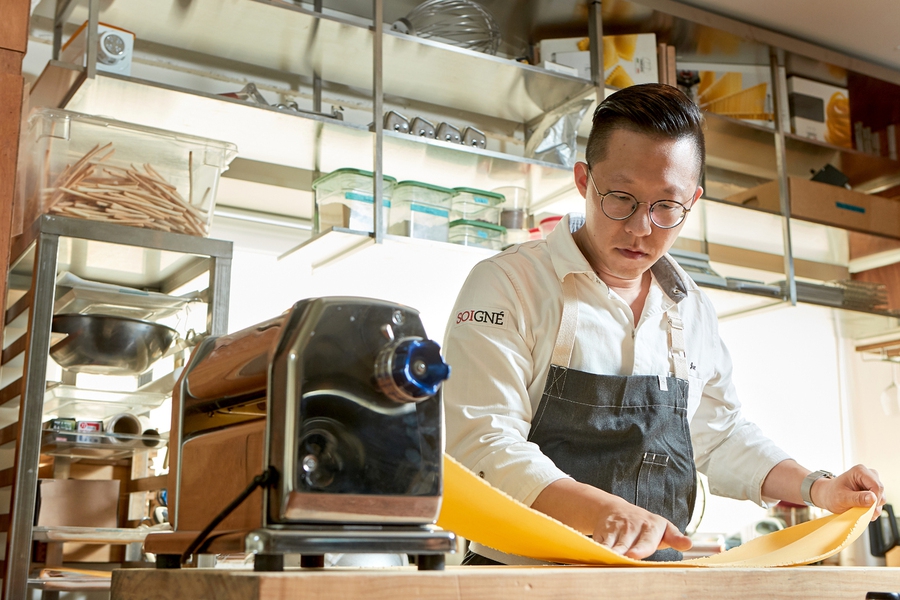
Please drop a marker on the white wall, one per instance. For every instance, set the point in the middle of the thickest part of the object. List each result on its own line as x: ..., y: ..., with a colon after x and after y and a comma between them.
x: 787, y: 374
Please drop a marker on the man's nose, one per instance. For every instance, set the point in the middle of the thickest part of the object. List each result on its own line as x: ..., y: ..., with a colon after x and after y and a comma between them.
x: 639, y: 222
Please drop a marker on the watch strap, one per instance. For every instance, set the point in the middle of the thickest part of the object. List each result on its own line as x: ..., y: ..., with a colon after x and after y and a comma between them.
x: 808, y: 481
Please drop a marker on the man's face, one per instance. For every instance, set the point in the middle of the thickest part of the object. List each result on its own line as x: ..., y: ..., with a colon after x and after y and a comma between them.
x: 650, y: 169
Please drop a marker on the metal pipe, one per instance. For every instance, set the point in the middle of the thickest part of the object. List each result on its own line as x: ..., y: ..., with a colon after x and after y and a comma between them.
x: 317, y: 77
x: 779, y: 96
x: 377, y: 109
x: 92, y: 37
x: 31, y: 404
x: 595, y: 33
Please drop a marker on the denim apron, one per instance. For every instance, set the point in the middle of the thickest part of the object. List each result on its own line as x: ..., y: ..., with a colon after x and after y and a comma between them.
x: 627, y: 435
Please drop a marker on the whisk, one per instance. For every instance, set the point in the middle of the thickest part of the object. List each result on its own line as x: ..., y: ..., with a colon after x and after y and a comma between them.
x: 462, y: 23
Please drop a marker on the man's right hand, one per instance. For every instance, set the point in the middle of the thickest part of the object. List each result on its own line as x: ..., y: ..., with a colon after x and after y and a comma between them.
x: 631, y: 531
x: 622, y: 527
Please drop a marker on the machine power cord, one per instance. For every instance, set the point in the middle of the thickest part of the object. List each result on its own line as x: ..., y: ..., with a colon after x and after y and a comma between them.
x: 267, y: 478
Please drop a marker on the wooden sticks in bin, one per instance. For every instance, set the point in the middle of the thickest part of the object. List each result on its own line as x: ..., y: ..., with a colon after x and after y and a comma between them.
x: 140, y: 197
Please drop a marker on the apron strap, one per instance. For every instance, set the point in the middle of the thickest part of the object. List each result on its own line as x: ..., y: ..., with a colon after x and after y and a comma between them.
x: 676, y: 343
x: 565, y: 337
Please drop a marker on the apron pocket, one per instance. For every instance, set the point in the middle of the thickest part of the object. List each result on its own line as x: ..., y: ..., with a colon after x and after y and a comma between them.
x: 651, y: 484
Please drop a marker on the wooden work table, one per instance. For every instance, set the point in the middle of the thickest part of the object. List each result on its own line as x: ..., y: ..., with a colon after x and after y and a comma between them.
x: 531, y: 583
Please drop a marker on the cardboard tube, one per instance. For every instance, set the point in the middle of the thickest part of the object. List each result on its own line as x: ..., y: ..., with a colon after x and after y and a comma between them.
x: 124, y: 423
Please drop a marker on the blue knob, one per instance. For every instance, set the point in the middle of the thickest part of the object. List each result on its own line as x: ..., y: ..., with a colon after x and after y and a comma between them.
x: 411, y: 369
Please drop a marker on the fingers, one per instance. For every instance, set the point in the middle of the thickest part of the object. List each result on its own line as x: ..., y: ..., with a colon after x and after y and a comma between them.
x: 641, y: 535
x: 675, y: 539
x: 857, y: 487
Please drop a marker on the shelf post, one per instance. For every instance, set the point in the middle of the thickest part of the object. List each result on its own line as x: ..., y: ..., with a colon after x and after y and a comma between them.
x: 377, y: 109
x: 595, y: 34
x: 317, y: 77
x: 31, y: 404
x: 92, y: 37
x: 780, y: 108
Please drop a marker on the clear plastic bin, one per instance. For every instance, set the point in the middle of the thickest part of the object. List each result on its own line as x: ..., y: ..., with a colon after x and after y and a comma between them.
x: 420, y: 210
x: 477, y: 233
x: 475, y: 205
x: 66, y: 401
x: 95, y: 168
x: 345, y: 198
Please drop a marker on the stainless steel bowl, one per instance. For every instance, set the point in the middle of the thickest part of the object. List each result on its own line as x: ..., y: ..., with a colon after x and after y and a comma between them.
x: 109, y: 345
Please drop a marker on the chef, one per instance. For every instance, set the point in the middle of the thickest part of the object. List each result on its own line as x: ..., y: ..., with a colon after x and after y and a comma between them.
x: 589, y: 379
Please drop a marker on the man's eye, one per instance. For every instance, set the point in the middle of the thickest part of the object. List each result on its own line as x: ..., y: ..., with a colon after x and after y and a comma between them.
x: 623, y: 198
x: 666, y: 206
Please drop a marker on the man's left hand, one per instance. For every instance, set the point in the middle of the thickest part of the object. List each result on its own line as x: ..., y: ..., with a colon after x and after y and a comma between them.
x: 860, y: 486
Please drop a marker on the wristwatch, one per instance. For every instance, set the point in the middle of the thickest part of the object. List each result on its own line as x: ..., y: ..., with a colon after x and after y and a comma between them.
x: 806, y: 485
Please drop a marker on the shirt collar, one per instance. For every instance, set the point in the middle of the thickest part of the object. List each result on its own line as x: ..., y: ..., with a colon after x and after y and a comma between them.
x: 567, y: 258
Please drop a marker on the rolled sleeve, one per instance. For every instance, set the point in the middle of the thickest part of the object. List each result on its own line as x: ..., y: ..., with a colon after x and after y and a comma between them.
x: 739, y: 466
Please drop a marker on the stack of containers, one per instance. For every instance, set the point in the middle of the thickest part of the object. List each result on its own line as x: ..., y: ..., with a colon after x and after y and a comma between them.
x: 345, y: 197
x: 420, y: 210
x: 475, y: 218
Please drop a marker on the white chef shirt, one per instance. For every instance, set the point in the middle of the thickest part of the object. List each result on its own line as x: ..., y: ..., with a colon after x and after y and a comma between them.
x: 500, y: 338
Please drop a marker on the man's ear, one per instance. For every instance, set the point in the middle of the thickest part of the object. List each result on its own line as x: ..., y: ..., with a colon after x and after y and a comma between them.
x: 580, y: 173
x: 696, y: 197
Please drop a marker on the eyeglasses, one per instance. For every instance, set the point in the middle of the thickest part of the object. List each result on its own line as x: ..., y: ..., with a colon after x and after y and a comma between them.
x: 618, y: 206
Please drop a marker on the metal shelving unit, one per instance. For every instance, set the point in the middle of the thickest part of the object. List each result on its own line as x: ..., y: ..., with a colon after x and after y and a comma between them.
x: 128, y: 256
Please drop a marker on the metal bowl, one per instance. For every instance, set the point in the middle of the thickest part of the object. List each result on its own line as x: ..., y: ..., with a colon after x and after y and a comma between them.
x: 109, y: 345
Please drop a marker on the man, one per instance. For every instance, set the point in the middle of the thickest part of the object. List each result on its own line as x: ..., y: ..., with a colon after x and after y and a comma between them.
x: 601, y: 384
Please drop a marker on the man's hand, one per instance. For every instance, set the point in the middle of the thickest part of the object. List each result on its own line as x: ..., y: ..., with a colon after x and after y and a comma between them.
x: 622, y: 527
x: 636, y: 533
x: 860, y: 486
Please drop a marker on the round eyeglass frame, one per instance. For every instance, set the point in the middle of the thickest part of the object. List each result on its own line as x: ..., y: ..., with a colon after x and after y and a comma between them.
x: 650, y: 205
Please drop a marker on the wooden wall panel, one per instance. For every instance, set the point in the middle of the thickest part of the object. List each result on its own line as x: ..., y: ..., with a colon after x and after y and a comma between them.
x: 14, y: 25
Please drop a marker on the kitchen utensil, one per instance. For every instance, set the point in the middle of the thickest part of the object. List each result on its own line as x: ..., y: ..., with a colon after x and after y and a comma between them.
x: 473, y: 137
x: 421, y: 127
x: 109, y: 345
x: 462, y: 23
x: 448, y: 133
x: 394, y: 121
x: 344, y: 391
x: 890, y: 397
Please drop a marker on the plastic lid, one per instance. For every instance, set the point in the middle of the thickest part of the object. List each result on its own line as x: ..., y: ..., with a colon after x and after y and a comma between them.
x: 550, y: 219
x: 474, y: 192
x: 350, y: 171
x: 435, y: 188
x: 482, y: 224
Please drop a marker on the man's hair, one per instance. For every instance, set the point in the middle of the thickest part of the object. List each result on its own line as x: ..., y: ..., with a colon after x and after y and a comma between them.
x: 653, y: 109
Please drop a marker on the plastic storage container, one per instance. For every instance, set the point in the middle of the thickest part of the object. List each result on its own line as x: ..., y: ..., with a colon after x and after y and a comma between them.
x: 477, y: 233
x: 88, y: 167
x: 475, y: 205
x: 345, y: 198
x: 420, y: 210
x: 513, y: 213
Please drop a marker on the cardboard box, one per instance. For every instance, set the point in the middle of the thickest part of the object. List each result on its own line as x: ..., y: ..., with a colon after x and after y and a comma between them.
x: 820, y: 112
x: 627, y: 59
x: 828, y: 205
x: 737, y: 91
x: 77, y: 503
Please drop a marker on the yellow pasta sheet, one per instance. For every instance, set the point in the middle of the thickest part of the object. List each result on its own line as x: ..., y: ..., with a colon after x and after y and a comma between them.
x: 476, y: 511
